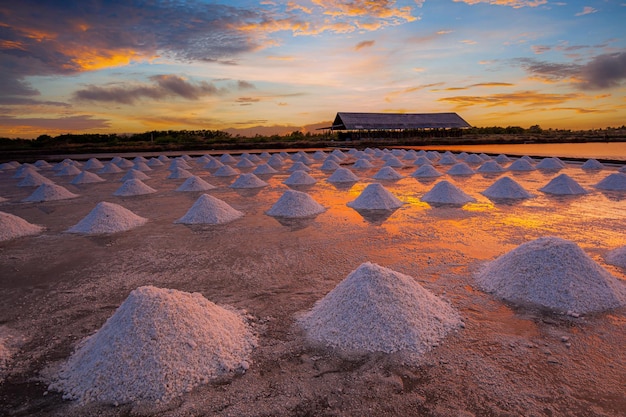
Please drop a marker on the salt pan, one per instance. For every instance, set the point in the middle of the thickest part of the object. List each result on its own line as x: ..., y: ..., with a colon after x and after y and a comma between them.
x: 553, y: 273
x: 376, y: 309
x: 445, y: 192
x: 210, y: 210
x: 12, y: 226
x: 294, y: 204
x: 159, y: 344
x: 107, y: 218
x: 375, y: 197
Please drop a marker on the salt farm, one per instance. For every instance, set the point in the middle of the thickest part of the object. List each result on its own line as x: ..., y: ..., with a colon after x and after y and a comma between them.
x: 375, y: 282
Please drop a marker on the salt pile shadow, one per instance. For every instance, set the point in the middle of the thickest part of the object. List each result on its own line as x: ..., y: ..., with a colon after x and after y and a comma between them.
x: 123, y: 362
x: 555, y: 274
x: 376, y: 309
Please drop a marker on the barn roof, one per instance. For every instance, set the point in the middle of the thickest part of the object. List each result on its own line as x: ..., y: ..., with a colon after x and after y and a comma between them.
x: 382, y: 121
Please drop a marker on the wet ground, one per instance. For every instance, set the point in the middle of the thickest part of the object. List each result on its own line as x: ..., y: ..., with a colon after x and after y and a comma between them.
x: 508, y: 361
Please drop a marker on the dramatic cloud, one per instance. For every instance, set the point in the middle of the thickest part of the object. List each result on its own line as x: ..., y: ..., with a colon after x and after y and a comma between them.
x: 601, y: 72
x: 516, y: 4
x: 71, y: 123
x: 164, y: 86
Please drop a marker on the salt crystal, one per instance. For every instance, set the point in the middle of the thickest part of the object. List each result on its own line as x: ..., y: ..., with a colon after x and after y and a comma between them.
x: 227, y: 159
x: 549, y: 164
x: 93, y: 163
x: 107, y: 218
x: 553, y: 273
x: 490, y: 167
x: 362, y: 163
x: 298, y: 166
x: 109, y: 168
x: 264, y: 169
x: 329, y: 165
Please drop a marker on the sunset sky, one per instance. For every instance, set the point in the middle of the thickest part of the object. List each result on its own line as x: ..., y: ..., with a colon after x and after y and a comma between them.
x: 128, y: 66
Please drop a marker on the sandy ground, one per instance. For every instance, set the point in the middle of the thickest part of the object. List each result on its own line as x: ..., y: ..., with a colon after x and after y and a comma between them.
x: 509, y: 360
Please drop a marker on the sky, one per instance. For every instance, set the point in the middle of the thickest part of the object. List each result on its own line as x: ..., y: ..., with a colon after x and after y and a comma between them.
x: 247, y: 67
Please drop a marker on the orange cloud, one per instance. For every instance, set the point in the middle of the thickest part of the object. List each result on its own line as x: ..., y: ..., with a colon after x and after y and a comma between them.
x: 383, y: 9
x: 364, y: 44
x: 526, y: 98
x: 516, y: 4
x: 91, y: 60
x: 389, y: 97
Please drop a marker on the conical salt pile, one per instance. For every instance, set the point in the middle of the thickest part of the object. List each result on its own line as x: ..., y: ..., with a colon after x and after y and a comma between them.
x: 109, y: 168
x: 25, y: 170
x: 362, y: 163
x: 375, y: 197
x: 426, y: 171
x: 275, y: 161
x: 506, y: 188
x: 521, y: 164
x: 447, y: 159
x: 298, y: 166
x: 154, y: 162
x: 300, y: 178
x: 342, y: 175
x: 490, y: 167
x: 264, y: 169
x: 592, y: 164
x: 474, y: 159
x: 124, y: 163
x: 86, y: 177
x: 134, y: 174
x: 226, y: 171
x: 461, y: 169
x: 159, y: 344
x: 387, y: 173
x: 446, y: 193
x: 210, y: 210
x: 107, y: 218
x: 93, y: 163
x: 502, y: 159
x: 550, y: 164
x: 613, y: 182
x: 245, y: 163
x: 248, y: 181
x: 142, y: 166
x: 195, y: 183
x: 617, y: 257
x: 393, y: 162
x: 376, y: 309
x: 132, y: 188
x: 12, y: 227
x: 563, y: 185
x: 295, y: 204
x: 34, y: 179
x: 213, y: 164
x: 227, y: 159
x: 67, y: 171
x: 553, y: 273
x: 50, y: 192
x: 179, y: 173
x: 329, y: 166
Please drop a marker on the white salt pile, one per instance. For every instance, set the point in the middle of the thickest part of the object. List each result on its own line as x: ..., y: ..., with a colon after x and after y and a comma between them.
x: 623, y: 169
x: 461, y: 168
x: 617, y: 257
x: 134, y: 174
x: 387, y: 173
x: 507, y: 189
x: 245, y: 163
x: 86, y: 177
x: 422, y: 160
x: 426, y: 171
x: 42, y: 164
x: 521, y: 164
x: 447, y: 159
x: 342, y: 175
x: 550, y: 164
x: 592, y: 164
x: 563, y: 185
x: 294, y: 204
x: 393, y: 162
x: 298, y: 166
x: 226, y: 171
x: 339, y: 154
x: 24, y: 170
x: 227, y: 159
x: 159, y: 344
x: 275, y: 161
x: 613, y: 182
x: 362, y: 163
x: 124, y: 163
x: 139, y: 159
x: 195, y: 183
x: 376, y: 309
x: 213, y: 164
x: 553, y: 273
x: 329, y: 165
x: 210, y: 210
x: 474, y: 159
x: 264, y: 169
x: 154, y: 162
x: 254, y: 158
x: 163, y: 158
x: 502, y: 159
x: 67, y: 171
x: 375, y: 197
x: 12, y: 227
x: 300, y: 178
x: 445, y: 192
x: 107, y: 218
x: 132, y: 188
x: 109, y: 168
x: 93, y: 163
x: 248, y: 181
x: 178, y: 163
x: 34, y: 179
x: 142, y: 166
x: 50, y: 192
x: 490, y: 167
x: 179, y: 173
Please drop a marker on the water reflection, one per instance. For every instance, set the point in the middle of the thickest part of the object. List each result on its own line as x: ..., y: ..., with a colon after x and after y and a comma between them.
x: 375, y: 217
x: 295, y: 223
x: 343, y: 186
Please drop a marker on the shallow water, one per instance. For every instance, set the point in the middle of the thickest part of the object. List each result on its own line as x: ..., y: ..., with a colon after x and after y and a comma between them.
x: 60, y: 287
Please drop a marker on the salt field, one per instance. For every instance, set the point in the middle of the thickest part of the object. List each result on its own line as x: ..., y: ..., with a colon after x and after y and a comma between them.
x: 290, y: 299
